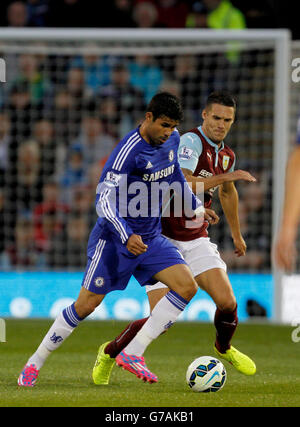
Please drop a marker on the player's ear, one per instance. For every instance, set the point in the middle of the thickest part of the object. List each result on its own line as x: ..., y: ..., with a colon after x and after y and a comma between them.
x: 149, y: 116
x: 204, y: 114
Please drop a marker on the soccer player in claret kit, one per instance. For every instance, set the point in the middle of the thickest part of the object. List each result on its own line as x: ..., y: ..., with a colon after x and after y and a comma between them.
x: 130, y: 244
x: 205, y: 158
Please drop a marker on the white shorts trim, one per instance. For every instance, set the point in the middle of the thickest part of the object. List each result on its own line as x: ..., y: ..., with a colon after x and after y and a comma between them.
x: 200, y: 254
x: 95, y: 261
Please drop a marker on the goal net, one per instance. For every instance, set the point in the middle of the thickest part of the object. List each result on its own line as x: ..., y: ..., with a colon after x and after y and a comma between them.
x: 70, y: 95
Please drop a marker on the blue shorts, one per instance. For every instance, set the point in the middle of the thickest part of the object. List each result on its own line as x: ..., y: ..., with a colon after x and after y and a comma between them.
x: 110, y: 265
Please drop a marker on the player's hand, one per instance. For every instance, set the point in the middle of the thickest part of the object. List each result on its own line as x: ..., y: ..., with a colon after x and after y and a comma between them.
x: 198, y: 220
x: 211, y: 216
x: 285, y: 252
x: 240, y: 246
x: 135, y: 245
x: 240, y: 175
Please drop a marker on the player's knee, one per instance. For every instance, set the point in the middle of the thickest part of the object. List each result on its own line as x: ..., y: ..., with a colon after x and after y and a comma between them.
x: 228, y: 305
x: 188, y: 291
x: 86, y: 307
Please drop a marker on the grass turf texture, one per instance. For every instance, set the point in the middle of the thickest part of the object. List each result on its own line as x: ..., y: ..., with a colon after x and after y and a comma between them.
x: 65, y: 380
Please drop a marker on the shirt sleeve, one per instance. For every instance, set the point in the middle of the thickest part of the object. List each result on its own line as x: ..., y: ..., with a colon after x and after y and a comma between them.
x: 189, y: 151
x: 190, y: 201
x: 109, y: 189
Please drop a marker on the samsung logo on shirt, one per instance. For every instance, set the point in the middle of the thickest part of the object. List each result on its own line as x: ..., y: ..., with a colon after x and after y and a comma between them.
x: 163, y: 173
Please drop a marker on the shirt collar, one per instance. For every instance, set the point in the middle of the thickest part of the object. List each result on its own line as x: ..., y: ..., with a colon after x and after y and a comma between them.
x: 210, y: 142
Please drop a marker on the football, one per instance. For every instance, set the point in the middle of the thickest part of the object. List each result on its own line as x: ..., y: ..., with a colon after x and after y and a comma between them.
x: 205, y: 374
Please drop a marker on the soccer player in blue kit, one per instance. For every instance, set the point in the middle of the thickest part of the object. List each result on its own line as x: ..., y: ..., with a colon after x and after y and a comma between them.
x: 125, y: 243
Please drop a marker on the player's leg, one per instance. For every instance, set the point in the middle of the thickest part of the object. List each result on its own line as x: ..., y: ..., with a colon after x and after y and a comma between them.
x: 182, y: 287
x: 164, y: 263
x: 114, y: 347
x: 155, y: 293
x: 99, y: 279
x: 61, y: 329
x: 108, y: 351
x: 210, y: 272
x: 216, y: 283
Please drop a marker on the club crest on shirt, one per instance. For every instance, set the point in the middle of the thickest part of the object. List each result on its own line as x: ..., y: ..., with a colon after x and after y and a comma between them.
x: 171, y: 155
x: 99, y: 281
x: 225, y: 162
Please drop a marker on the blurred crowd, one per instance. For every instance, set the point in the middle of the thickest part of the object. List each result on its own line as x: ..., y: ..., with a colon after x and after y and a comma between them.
x: 61, y: 116
x: 144, y: 13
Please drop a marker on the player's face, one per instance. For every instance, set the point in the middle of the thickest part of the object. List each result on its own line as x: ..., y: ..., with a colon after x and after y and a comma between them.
x: 217, y: 121
x: 158, y: 131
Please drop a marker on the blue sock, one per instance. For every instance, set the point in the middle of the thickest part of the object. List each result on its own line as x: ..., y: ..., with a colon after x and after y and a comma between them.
x: 61, y: 329
x: 71, y: 317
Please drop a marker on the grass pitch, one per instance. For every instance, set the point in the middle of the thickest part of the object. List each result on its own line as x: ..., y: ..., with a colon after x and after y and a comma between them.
x: 66, y: 380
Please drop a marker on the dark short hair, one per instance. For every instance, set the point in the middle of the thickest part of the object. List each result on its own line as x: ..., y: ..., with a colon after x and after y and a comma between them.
x: 166, y: 104
x: 221, y: 97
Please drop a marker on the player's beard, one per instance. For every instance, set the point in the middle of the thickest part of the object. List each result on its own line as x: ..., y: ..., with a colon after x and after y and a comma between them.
x: 156, y: 142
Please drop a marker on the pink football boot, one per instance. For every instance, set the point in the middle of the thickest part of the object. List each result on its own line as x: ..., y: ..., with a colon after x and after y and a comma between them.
x: 136, y: 365
x: 28, y: 376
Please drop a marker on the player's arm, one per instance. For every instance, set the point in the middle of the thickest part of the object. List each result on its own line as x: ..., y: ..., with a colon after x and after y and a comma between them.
x: 230, y: 201
x: 216, y: 180
x: 285, y: 245
x: 291, y: 210
x: 189, y: 151
x: 107, y: 205
x: 108, y: 192
x: 211, y: 216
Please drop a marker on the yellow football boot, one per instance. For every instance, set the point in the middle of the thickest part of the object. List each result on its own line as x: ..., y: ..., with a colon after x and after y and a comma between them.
x: 103, y: 366
x: 240, y: 361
